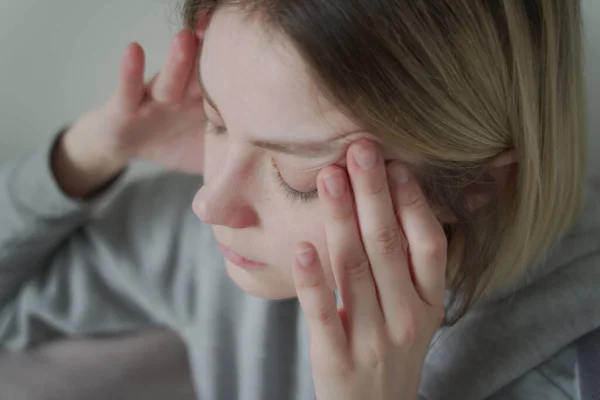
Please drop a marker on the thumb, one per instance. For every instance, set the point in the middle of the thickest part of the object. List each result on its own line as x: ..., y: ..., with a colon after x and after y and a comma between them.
x: 130, y: 85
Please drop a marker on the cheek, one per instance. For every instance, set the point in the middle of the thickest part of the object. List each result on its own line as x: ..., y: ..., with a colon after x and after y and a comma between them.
x: 314, y: 230
x: 292, y: 224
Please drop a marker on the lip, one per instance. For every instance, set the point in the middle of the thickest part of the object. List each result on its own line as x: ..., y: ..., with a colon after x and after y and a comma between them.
x: 239, y: 260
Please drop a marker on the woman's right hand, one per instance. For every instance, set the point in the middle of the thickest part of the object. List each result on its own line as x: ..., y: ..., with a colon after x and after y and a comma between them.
x: 161, y: 120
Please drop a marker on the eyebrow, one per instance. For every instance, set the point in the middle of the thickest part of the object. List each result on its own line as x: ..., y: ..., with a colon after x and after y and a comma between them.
x: 307, y: 149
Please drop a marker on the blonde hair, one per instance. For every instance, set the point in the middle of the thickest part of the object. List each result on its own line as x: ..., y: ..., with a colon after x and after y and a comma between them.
x: 459, y: 82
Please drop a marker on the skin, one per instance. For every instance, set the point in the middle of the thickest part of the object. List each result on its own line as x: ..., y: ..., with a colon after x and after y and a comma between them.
x: 262, y: 90
x: 370, y: 233
x: 355, y: 237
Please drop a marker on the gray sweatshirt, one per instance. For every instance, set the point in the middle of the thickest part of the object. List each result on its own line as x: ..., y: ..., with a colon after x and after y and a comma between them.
x: 126, y: 297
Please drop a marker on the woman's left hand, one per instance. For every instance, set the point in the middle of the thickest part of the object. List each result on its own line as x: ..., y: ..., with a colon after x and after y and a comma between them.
x: 388, y: 255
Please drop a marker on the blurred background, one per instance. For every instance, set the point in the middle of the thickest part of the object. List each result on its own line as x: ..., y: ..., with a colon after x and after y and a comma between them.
x: 59, y: 59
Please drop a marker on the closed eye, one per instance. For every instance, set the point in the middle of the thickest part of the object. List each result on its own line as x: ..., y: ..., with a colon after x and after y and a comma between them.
x: 293, y: 194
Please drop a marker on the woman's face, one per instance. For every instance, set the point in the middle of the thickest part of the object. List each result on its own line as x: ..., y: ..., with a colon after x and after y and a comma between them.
x: 270, y: 133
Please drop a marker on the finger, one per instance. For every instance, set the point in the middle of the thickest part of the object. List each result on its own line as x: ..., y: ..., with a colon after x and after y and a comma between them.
x: 318, y: 303
x: 349, y: 262
x: 130, y: 86
x: 424, y: 233
x: 194, y: 88
x: 382, y: 237
x: 202, y: 25
x: 171, y: 83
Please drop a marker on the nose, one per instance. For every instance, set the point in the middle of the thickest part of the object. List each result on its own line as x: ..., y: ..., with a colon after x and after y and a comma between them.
x: 219, y: 203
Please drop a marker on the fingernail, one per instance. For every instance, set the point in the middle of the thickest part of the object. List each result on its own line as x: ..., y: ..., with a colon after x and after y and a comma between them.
x: 306, y: 256
x: 399, y: 173
x: 366, y: 157
x: 335, y: 184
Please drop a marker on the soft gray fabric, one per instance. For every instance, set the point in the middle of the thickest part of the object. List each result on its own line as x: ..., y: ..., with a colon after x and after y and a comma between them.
x: 552, y: 380
x: 588, y: 366
x: 136, y: 259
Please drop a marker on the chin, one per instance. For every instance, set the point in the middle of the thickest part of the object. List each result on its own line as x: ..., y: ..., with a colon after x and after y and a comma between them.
x: 267, y: 283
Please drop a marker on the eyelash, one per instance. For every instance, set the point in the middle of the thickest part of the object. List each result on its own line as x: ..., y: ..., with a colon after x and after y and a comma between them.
x: 304, y: 197
x: 293, y: 194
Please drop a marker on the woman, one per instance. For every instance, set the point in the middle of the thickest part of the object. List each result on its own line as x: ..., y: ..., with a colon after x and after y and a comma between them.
x: 424, y: 158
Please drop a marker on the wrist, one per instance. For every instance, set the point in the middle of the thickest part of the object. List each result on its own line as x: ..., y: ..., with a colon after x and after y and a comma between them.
x: 81, y: 163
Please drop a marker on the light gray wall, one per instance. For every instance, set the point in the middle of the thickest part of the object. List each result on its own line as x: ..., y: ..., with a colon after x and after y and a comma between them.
x: 59, y: 58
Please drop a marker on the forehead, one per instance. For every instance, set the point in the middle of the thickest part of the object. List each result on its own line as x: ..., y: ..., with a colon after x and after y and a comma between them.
x: 260, y: 83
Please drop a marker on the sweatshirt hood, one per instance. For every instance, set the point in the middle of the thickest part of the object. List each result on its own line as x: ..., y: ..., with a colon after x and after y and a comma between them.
x: 500, y: 340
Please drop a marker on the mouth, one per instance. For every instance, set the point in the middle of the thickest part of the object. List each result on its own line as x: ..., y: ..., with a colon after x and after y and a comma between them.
x: 239, y: 260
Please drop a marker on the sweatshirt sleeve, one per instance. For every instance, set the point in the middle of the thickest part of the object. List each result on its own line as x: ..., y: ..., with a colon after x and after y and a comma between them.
x: 36, y: 217
x: 76, y: 267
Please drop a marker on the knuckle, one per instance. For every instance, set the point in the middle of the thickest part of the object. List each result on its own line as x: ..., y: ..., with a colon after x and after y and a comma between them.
x: 309, y: 283
x: 182, y: 58
x: 359, y: 270
x: 163, y: 96
x: 435, y: 248
x: 342, y: 213
x: 179, y: 60
x: 375, y: 355
x: 178, y: 107
x: 409, y: 332
x: 387, y: 240
x: 341, y: 370
x: 413, y: 200
x: 374, y: 187
x: 324, y: 315
x: 331, y: 363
